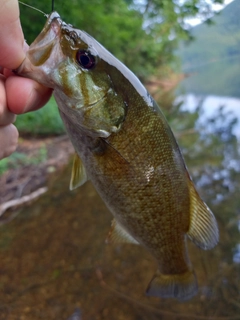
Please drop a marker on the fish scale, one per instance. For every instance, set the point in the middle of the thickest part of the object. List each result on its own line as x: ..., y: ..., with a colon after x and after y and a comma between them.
x: 125, y: 146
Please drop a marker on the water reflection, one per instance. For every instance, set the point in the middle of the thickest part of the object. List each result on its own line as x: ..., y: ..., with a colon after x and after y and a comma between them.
x: 236, y: 255
x: 77, y: 315
x: 54, y: 260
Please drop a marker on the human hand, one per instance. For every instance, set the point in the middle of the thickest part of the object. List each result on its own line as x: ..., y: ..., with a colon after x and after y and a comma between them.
x: 17, y: 95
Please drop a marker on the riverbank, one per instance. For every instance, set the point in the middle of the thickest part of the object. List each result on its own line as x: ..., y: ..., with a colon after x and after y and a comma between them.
x: 37, y: 159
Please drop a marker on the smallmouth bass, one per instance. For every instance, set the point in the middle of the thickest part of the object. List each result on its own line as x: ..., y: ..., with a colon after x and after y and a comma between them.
x: 126, y: 148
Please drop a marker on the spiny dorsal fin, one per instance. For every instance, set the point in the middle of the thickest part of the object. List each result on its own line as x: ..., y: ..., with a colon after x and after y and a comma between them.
x: 203, y: 230
x: 119, y: 235
x: 79, y: 174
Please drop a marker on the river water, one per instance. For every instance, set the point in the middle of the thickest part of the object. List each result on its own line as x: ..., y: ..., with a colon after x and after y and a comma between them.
x: 54, y: 259
x: 210, y: 105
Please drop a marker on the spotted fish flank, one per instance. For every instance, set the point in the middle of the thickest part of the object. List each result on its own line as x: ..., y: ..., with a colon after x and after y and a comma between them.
x: 126, y: 148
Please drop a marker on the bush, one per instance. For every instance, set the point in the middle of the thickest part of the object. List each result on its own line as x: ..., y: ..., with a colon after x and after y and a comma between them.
x: 45, y: 121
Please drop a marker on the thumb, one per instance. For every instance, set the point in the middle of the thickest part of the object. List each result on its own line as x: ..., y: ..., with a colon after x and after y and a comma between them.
x: 11, y: 35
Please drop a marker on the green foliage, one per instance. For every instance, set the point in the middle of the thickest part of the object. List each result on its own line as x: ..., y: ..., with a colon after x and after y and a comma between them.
x: 212, y: 60
x: 45, y: 121
x: 20, y: 159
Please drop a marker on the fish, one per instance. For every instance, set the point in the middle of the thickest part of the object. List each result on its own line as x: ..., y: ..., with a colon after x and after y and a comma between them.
x: 126, y: 148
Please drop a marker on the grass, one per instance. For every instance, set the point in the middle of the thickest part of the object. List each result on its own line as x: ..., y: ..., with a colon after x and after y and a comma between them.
x: 43, y: 122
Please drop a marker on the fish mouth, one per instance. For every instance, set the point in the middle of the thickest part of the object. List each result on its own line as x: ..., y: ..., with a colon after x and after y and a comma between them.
x: 44, y: 53
x: 40, y: 50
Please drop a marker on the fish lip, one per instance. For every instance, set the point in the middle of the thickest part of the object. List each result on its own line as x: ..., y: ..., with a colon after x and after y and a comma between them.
x: 55, y: 23
x: 39, y: 55
x: 50, y: 33
x: 44, y: 43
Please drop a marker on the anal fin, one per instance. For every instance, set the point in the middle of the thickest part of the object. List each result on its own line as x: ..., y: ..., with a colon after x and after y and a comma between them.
x: 203, y: 230
x: 79, y: 174
x: 118, y: 234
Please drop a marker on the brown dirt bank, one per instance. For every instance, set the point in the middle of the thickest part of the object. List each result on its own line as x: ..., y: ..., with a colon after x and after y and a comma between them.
x: 25, y: 179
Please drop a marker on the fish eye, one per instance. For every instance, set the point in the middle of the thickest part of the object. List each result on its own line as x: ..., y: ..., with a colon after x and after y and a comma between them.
x: 85, y: 59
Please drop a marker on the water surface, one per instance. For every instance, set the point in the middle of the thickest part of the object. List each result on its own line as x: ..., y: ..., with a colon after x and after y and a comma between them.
x: 54, y: 259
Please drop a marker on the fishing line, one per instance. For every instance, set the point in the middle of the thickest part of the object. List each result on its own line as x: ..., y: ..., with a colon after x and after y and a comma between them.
x: 27, y: 5
x: 52, y: 5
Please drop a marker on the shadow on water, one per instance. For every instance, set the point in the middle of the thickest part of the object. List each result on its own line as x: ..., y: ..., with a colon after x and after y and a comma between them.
x: 54, y: 261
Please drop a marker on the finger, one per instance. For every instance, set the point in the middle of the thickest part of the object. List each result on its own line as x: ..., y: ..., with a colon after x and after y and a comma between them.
x: 25, y: 95
x: 11, y: 35
x: 8, y: 140
x: 6, y: 117
x: 8, y: 72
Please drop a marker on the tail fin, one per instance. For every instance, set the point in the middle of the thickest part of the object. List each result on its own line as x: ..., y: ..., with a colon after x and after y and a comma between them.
x: 181, y: 286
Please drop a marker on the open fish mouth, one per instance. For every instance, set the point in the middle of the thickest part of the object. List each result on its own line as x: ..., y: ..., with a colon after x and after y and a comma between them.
x: 41, y: 49
x: 44, y: 53
x: 51, y: 29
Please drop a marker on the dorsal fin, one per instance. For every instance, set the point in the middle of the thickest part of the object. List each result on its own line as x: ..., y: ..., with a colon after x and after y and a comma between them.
x: 118, y: 234
x: 79, y: 174
x: 203, y: 230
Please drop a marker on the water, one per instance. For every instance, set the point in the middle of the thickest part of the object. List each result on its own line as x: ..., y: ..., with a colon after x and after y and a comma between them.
x: 210, y: 105
x: 54, y: 260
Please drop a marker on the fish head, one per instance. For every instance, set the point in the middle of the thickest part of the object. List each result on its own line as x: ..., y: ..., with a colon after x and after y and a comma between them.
x: 68, y: 60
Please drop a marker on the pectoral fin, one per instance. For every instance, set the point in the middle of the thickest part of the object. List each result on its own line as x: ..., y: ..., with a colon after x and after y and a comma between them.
x: 118, y: 234
x: 79, y: 174
x: 203, y: 229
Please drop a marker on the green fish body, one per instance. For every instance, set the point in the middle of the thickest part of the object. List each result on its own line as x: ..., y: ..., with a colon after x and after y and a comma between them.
x: 126, y: 148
